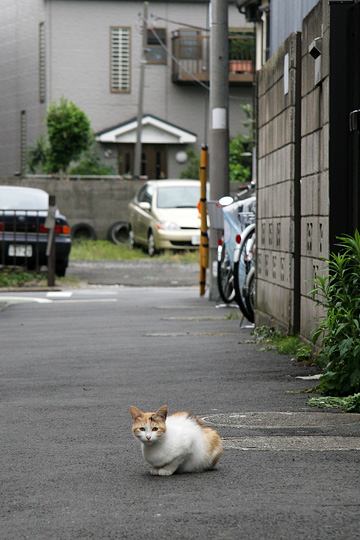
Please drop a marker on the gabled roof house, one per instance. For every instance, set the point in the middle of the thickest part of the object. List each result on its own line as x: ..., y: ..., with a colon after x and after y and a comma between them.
x: 90, y: 52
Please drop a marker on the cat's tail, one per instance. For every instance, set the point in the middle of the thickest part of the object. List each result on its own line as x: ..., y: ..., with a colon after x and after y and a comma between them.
x: 215, y: 447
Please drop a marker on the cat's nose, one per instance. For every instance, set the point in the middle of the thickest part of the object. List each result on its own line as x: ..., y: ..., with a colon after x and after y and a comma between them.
x: 148, y: 437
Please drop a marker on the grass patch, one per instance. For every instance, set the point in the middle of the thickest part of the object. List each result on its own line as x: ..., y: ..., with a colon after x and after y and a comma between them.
x: 289, y: 345
x: 347, y: 404
x: 18, y: 278
x: 102, y: 250
x: 14, y: 277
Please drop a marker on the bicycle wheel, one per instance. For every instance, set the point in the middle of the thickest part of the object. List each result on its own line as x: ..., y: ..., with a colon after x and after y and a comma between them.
x: 249, y: 293
x: 242, y: 267
x: 225, y: 277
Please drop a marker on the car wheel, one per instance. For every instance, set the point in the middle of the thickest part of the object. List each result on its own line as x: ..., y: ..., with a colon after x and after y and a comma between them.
x: 151, y: 248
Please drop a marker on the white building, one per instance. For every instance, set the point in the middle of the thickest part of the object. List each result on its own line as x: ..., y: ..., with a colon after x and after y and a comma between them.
x: 89, y: 52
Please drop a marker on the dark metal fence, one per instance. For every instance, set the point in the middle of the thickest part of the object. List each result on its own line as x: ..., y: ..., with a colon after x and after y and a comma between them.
x: 23, y: 238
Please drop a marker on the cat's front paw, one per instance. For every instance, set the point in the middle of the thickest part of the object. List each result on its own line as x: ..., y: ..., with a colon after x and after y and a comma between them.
x: 164, y: 472
x: 154, y: 472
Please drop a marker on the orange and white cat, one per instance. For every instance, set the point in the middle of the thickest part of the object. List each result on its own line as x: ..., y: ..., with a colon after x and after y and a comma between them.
x: 176, y: 443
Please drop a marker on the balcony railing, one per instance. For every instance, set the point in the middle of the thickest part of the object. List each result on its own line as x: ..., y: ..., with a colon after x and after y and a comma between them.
x: 190, y: 49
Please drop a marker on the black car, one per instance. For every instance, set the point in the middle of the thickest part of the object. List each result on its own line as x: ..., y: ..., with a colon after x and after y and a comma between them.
x: 23, y: 230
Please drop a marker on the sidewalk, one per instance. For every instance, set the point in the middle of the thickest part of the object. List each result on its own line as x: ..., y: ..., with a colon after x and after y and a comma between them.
x: 70, y: 467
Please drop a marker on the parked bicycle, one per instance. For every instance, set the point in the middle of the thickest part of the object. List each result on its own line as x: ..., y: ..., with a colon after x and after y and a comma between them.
x: 235, y: 254
x: 226, y: 248
x: 244, y: 272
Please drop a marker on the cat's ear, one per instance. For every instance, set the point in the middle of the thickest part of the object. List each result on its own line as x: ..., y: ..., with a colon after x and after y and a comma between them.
x: 135, y: 412
x: 162, y: 412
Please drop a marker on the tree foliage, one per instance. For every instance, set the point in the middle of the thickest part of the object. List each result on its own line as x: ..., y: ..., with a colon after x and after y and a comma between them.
x: 69, y: 134
x: 192, y: 165
x: 239, y: 161
x: 89, y: 163
x: 240, y: 153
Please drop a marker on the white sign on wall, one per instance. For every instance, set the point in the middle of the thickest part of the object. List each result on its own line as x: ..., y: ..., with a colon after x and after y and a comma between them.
x: 286, y: 74
x: 219, y: 120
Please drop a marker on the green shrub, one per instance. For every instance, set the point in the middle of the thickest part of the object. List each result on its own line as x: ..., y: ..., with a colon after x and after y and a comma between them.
x: 90, y: 163
x: 347, y: 404
x: 192, y: 165
x: 290, y: 345
x: 68, y: 136
x: 339, y: 331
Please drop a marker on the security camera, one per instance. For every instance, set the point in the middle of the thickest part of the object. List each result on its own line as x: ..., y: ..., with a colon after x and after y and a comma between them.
x: 315, y: 48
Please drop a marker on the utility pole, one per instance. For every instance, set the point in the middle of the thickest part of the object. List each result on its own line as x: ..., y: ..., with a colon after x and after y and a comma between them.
x: 137, y: 156
x: 219, y: 120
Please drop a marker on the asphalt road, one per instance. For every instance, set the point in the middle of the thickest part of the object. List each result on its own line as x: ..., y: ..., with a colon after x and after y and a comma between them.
x: 71, y: 364
x: 141, y: 273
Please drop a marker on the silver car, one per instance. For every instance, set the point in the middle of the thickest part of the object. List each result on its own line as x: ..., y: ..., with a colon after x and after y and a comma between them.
x: 164, y: 215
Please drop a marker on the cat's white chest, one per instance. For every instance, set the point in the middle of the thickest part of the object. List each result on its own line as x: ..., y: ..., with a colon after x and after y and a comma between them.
x: 155, y: 455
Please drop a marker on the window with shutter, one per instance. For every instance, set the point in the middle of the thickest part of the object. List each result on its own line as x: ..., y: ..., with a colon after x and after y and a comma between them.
x: 23, y: 141
x: 42, y: 63
x: 120, y: 59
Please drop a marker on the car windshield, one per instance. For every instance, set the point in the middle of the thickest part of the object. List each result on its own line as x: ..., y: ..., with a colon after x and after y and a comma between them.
x: 23, y: 199
x: 178, y: 197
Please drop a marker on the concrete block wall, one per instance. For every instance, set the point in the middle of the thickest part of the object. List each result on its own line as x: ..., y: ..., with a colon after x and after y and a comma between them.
x: 275, y: 190
x: 99, y: 202
x: 293, y: 158
x: 314, y: 164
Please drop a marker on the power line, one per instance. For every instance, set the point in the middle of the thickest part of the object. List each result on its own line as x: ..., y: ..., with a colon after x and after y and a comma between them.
x: 186, y: 25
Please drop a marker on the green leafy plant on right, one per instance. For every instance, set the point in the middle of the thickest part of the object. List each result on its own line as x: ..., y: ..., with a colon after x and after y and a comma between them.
x: 347, y: 404
x: 339, y: 332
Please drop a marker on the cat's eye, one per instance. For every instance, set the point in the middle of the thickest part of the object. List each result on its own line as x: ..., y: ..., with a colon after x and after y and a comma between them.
x: 142, y: 428
x: 154, y: 429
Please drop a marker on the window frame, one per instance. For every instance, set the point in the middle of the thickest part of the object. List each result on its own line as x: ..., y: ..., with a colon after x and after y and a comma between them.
x: 146, y: 194
x: 42, y: 62
x: 157, y: 47
x: 114, y: 90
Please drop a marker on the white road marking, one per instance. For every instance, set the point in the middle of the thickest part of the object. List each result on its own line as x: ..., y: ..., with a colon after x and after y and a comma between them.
x: 25, y: 300
x: 59, y: 294
x: 288, y: 444
x: 86, y: 300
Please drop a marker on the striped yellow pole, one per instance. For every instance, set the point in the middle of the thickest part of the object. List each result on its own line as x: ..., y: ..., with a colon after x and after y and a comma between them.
x: 204, y: 241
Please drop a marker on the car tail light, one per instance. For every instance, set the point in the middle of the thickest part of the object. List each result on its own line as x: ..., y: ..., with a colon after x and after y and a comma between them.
x: 238, y: 238
x: 62, y: 229
x: 220, y: 242
x: 2, y: 226
x: 59, y: 229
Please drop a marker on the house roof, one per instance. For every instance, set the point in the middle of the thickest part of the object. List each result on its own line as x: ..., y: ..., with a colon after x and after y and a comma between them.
x: 154, y: 131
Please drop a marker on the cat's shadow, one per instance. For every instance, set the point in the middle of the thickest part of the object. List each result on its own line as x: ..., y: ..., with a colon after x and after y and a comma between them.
x: 179, y: 474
